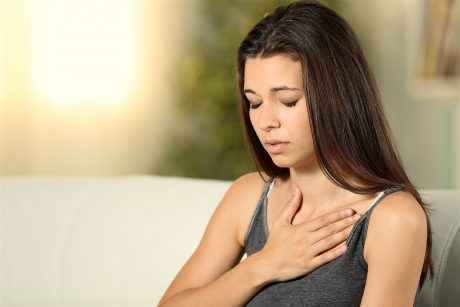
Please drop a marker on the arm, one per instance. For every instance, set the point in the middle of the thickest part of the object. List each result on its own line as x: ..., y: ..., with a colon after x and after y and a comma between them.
x: 213, y: 275
x: 213, y: 268
x: 394, y: 250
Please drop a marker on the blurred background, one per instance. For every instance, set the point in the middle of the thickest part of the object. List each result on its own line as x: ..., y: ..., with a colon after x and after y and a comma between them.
x: 119, y: 87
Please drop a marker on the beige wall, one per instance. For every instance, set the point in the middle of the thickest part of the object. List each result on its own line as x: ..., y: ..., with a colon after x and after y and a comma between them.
x: 60, y: 130
x: 89, y: 95
x: 424, y: 120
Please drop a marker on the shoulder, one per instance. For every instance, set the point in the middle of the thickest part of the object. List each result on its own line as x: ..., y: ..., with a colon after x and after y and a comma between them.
x: 247, y: 185
x: 241, y: 200
x: 394, y: 250
x: 396, y: 220
x: 399, y: 209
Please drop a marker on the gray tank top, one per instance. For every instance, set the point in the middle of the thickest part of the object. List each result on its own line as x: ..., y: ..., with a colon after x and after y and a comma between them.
x: 337, y: 283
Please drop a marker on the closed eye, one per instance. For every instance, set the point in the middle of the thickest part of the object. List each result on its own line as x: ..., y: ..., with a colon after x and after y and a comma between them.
x: 254, y: 105
x: 290, y: 104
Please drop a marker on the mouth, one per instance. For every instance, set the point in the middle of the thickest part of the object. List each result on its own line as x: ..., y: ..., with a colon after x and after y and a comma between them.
x: 275, y: 147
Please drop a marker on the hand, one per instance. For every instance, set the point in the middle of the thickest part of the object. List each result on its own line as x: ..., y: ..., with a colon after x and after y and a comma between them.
x: 295, y: 250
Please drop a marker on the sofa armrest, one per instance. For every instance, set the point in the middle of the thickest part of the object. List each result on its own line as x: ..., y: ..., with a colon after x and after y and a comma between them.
x: 443, y: 290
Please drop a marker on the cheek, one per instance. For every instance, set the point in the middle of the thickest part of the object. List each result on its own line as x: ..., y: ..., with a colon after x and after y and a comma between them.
x: 295, y: 118
x: 252, y: 119
x: 305, y: 126
x: 300, y: 127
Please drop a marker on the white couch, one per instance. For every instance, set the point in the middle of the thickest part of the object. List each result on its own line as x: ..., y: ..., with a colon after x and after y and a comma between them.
x: 118, y: 241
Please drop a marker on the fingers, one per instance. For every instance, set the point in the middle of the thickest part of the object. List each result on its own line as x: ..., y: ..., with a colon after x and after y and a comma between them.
x: 327, y: 219
x: 290, y: 209
x: 330, y: 242
x: 330, y: 255
x: 335, y: 227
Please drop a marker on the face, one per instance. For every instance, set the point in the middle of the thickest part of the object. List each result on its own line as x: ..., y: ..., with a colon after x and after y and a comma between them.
x: 278, y: 109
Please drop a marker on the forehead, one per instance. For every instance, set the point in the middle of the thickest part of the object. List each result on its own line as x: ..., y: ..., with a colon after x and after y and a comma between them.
x: 272, y: 71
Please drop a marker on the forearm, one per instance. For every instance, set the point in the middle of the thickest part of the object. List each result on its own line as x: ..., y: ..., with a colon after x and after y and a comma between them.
x: 233, y: 288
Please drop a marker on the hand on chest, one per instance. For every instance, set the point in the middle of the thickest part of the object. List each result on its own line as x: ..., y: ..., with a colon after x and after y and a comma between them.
x: 306, y: 212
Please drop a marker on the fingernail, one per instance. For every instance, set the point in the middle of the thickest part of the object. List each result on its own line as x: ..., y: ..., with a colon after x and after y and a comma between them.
x: 356, y: 217
x: 349, y: 212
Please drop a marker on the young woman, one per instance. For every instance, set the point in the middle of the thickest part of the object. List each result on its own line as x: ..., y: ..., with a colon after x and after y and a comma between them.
x: 332, y: 219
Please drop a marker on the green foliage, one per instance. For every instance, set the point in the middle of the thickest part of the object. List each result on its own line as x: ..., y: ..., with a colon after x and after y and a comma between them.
x: 209, y: 142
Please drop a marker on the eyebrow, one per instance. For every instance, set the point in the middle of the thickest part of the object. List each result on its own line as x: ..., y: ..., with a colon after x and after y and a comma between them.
x: 274, y: 89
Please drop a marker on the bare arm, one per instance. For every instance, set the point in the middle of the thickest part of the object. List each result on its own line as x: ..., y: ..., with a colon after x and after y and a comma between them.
x: 234, y: 288
x: 213, y: 275
x: 394, y: 266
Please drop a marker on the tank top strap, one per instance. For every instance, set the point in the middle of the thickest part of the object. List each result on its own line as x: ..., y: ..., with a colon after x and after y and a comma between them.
x: 378, y: 199
x: 260, y: 213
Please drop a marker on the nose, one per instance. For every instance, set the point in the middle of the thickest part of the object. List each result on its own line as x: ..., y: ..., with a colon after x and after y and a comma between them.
x: 268, y: 117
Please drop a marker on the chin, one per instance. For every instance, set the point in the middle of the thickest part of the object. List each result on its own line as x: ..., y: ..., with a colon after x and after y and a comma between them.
x: 282, y: 162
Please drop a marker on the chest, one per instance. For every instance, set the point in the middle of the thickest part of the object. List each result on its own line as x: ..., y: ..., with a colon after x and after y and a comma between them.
x: 340, y: 282
x: 275, y: 206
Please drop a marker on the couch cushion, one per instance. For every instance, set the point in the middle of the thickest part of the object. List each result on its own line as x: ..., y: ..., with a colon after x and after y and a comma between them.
x: 119, y: 241
x: 443, y: 290
x: 115, y: 241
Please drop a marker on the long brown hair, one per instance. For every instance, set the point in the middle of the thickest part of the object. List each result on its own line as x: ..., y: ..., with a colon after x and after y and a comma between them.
x: 350, y: 133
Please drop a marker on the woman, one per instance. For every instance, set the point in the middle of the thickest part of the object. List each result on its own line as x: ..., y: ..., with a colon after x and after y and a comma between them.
x: 317, y: 132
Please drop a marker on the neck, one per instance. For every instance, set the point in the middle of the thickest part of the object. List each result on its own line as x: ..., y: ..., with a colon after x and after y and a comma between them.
x: 318, y: 191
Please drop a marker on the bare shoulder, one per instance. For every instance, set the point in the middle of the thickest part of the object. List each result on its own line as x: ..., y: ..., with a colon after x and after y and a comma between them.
x: 397, y: 218
x: 399, y: 208
x: 394, y: 250
x: 247, y: 186
x: 221, y: 247
x: 242, y: 198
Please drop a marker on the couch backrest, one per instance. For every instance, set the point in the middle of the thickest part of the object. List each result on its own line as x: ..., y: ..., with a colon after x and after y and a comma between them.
x: 444, y: 289
x: 119, y: 241
x: 90, y: 241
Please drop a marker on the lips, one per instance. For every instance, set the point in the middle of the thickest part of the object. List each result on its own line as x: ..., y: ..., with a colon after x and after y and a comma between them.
x: 275, y: 147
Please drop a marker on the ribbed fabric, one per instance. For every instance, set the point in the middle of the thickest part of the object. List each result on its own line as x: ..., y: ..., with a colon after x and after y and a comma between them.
x: 337, y: 283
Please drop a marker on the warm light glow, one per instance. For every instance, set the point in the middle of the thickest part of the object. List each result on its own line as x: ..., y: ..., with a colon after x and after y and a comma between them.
x: 81, y: 52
